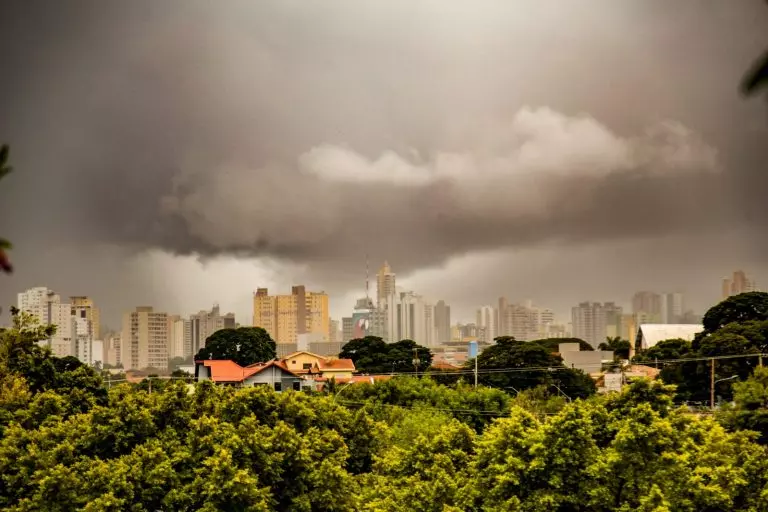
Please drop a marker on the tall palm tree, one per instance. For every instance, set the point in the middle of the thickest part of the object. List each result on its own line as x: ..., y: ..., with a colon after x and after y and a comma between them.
x: 5, y: 169
x: 757, y: 77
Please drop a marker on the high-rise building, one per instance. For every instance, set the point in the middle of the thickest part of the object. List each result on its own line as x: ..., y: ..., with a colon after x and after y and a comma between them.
x: 284, y: 317
x: 45, y: 305
x: 649, y: 303
x: 385, y: 284
x: 83, y: 339
x: 671, y: 308
x: 144, y: 339
x: 333, y: 335
x: 738, y: 283
x: 205, y: 323
x: 347, y: 329
x: 443, y: 321
x: 179, y: 337
x: 502, y: 329
x: 410, y: 317
x: 35, y: 301
x: 591, y: 321
x: 111, y: 347
x: 84, y: 307
x: 486, y: 320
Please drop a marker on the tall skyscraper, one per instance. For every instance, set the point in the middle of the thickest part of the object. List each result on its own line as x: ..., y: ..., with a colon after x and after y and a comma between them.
x: 385, y: 284
x: 179, y: 337
x: 502, y: 329
x: 144, y: 339
x: 45, y: 305
x: 84, y: 307
x: 738, y: 283
x: 649, y: 303
x: 347, y: 329
x: 35, y: 301
x: 443, y: 321
x: 591, y: 321
x: 672, y: 308
x: 205, y: 323
x: 486, y: 320
x: 410, y: 317
x: 284, y: 317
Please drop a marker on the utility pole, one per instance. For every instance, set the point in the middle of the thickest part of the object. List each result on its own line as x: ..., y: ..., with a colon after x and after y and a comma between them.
x: 712, y: 384
x: 760, y: 360
x: 475, y: 372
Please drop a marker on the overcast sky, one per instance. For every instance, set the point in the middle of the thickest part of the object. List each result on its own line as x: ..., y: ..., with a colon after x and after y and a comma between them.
x: 178, y: 153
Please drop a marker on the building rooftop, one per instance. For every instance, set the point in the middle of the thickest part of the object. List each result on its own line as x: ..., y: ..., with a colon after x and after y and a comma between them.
x: 648, y: 335
x: 225, y: 370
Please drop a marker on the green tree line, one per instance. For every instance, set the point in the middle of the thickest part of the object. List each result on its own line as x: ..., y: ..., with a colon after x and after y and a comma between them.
x: 405, y: 444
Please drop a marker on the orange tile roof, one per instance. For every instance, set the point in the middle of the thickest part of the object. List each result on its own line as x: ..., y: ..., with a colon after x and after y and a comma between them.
x: 225, y: 370
x: 336, y: 364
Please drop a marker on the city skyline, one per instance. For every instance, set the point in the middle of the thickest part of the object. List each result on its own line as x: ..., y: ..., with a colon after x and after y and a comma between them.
x: 339, y: 307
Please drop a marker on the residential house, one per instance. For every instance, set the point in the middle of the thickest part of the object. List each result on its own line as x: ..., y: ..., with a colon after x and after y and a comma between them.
x: 273, y: 374
x: 307, y: 363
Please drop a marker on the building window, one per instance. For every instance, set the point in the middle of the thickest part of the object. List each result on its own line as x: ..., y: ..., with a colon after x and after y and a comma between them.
x: 278, y: 386
x: 307, y: 366
x: 296, y: 385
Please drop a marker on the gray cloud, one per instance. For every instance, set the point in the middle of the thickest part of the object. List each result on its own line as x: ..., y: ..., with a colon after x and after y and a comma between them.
x: 318, y: 132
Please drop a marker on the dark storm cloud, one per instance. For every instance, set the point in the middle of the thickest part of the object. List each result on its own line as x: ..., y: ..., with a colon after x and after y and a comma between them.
x: 317, y: 132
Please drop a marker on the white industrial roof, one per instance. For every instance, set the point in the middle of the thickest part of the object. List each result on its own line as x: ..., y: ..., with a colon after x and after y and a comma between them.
x: 649, y: 335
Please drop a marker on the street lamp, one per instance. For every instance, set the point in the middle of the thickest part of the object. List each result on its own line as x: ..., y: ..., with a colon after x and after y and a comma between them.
x: 712, y: 390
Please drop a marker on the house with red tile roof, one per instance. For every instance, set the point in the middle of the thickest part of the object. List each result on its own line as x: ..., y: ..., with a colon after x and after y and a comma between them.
x: 273, y: 374
x: 309, y: 364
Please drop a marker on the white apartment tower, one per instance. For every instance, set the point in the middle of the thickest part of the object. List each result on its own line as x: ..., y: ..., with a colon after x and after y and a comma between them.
x: 46, y: 306
x: 144, y: 339
x: 179, y: 337
x: 410, y: 317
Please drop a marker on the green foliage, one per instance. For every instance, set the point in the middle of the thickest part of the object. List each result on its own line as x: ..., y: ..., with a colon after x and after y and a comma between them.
x: 750, y: 409
x: 740, y: 308
x: 373, y: 355
x: 553, y: 344
x: 512, y: 357
x: 619, y: 347
x: 244, y: 345
x: 404, y: 444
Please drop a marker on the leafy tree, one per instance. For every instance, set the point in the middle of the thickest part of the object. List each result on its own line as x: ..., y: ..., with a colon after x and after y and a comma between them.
x: 523, y: 365
x: 370, y: 354
x: 750, y: 410
x: 740, y: 308
x: 5, y: 169
x: 553, y: 344
x: 375, y: 356
x: 619, y: 347
x: 244, y: 345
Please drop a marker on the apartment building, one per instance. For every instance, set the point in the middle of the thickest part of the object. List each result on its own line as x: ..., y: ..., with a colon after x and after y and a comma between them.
x: 285, y: 317
x: 144, y: 339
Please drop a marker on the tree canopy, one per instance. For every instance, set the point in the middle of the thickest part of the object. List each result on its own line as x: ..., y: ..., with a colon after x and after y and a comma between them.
x: 523, y: 365
x: 244, y: 345
x: 740, y: 308
x: 401, y: 444
x: 373, y: 355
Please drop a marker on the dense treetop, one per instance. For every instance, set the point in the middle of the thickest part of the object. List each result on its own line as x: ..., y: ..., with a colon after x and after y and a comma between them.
x: 404, y: 444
